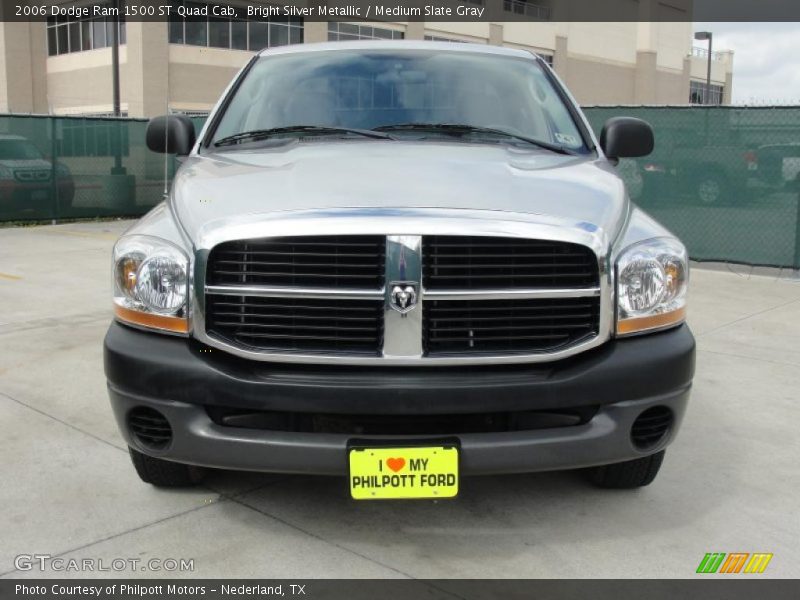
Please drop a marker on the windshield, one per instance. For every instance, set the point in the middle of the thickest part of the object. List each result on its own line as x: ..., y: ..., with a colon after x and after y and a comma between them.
x: 18, y: 150
x: 365, y: 90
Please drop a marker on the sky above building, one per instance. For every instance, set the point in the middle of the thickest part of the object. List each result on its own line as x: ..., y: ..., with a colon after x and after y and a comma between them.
x: 765, y: 61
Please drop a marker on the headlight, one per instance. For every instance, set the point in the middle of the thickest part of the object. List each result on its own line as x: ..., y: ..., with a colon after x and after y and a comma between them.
x: 151, y: 283
x: 652, y: 279
x: 62, y: 171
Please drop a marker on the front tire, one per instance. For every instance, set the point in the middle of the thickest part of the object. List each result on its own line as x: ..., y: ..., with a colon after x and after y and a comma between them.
x: 164, y: 473
x: 712, y: 190
x: 628, y: 475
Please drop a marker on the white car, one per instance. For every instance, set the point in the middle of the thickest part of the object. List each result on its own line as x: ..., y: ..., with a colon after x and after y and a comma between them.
x: 26, y: 178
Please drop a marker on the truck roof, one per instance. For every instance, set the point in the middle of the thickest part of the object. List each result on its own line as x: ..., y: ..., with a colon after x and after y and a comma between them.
x: 397, y: 45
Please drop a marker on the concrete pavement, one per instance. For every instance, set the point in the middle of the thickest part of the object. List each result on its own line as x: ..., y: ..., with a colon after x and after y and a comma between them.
x: 730, y: 483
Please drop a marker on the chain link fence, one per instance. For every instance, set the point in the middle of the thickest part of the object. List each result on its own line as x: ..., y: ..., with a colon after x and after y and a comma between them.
x: 726, y: 180
x: 57, y: 168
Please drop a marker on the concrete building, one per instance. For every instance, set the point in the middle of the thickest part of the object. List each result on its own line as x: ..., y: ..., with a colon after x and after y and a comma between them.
x: 64, y: 66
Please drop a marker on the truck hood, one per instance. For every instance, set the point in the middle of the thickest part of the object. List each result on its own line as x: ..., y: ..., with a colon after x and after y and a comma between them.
x: 216, y: 188
x: 30, y: 163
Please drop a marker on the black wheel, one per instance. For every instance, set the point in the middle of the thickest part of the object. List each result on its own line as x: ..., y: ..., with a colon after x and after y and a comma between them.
x: 65, y: 201
x: 164, y: 473
x: 712, y: 189
x: 630, y: 474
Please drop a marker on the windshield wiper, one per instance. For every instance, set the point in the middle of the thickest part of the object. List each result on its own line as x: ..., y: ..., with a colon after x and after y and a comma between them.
x: 262, y: 134
x: 461, y: 129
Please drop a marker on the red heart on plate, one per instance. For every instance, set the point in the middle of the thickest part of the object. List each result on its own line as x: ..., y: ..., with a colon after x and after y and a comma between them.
x: 395, y: 464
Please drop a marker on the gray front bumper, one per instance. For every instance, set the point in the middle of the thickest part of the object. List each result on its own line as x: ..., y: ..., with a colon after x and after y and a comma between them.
x: 198, y: 440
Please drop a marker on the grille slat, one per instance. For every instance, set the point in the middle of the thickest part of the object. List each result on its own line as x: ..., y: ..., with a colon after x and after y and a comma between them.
x: 460, y: 279
x: 298, y: 317
x: 474, y: 263
x: 493, y: 266
x: 516, y: 318
x: 528, y: 326
x: 546, y: 326
x: 456, y: 308
x: 319, y: 261
x: 302, y: 325
x: 495, y: 255
x: 490, y: 338
x: 313, y: 255
x: 293, y: 274
x: 292, y: 307
x: 291, y: 264
x: 320, y: 241
x: 295, y: 336
x: 294, y: 328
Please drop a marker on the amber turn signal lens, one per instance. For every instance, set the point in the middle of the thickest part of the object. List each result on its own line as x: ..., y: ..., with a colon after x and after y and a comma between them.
x: 638, y: 324
x: 163, y: 322
x: 127, y: 274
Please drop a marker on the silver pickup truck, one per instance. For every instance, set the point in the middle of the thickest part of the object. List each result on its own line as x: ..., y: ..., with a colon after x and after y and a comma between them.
x: 400, y: 263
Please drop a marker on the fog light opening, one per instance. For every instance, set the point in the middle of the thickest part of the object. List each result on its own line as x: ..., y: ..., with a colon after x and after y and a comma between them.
x: 149, y: 428
x: 651, y: 427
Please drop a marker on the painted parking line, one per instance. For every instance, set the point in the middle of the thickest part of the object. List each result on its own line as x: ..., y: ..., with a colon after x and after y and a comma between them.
x: 89, y: 234
x: 9, y: 276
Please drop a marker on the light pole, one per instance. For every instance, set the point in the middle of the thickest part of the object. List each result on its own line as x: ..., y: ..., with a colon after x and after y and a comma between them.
x: 115, y: 60
x: 120, y: 185
x: 701, y: 36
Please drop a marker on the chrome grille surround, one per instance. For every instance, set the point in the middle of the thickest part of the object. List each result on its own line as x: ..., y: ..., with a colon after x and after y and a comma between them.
x: 404, y: 229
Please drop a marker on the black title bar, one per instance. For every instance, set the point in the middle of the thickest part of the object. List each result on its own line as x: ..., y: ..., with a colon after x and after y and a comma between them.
x: 478, y: 11
x: 712, y: 588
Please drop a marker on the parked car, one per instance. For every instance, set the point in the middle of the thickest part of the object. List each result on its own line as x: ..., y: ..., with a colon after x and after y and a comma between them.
x: 404, y: 263
x: 687, y: 164
x: 26, y: 178
x: 778, y: 166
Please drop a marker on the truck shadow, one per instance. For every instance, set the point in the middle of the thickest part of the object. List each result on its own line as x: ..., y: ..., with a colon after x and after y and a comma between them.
x: 513, y: 511
x: 497, y: 520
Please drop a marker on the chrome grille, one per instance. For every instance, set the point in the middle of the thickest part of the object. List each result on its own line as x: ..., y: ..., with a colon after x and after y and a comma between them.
x: 333, y: 297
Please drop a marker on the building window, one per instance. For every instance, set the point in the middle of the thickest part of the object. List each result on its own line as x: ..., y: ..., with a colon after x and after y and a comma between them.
x: 527, y: 8
x: 233, y: 34
x: 697, y: 93
x: 192, y: 114
x: 339, y: 32
x: 700, y: 52
x: 65, y: 34
x: 441, y: 38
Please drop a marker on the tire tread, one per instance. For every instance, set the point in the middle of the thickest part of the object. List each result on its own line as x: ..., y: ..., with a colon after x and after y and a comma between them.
x: 630, y: 474
x: 164, y: 473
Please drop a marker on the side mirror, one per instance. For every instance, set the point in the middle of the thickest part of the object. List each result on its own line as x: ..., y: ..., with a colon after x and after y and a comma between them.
x: 626, y: 137
x: 170, y: 134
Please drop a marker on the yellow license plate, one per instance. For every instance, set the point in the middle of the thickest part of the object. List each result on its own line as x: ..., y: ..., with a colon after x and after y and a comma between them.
x: 403, y: 473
